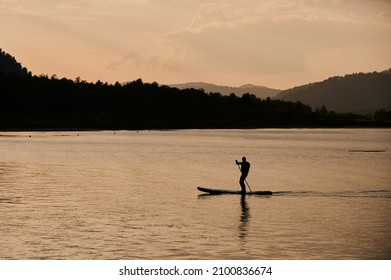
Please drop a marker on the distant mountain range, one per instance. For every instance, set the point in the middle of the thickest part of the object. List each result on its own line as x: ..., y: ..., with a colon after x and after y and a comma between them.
x: 361, y: 93
x: 258, y: 91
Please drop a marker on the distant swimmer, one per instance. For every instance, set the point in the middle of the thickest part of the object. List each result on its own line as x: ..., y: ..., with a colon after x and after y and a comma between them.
x: 244, y: 167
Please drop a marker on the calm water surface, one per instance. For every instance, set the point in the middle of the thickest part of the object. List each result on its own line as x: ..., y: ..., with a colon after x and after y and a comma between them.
x: 132, y: 195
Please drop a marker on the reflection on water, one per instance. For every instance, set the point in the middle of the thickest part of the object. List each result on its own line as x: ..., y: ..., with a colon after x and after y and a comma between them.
x: 244, y: 217
x: 129, y: 195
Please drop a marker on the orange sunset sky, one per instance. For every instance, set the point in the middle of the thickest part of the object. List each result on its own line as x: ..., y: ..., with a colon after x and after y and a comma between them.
x: 275, y: 43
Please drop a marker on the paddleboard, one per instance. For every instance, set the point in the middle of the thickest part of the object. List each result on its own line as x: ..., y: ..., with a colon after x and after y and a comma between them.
x: 217, y: 191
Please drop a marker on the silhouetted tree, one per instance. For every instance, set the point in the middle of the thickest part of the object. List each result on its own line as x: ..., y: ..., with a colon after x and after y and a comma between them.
x: 9, y: 65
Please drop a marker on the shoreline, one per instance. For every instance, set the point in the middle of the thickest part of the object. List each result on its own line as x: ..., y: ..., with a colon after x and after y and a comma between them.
x: 171, y: 128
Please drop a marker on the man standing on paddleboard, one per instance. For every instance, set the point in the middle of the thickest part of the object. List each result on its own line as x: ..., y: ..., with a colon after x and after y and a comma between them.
x: 245, y: 169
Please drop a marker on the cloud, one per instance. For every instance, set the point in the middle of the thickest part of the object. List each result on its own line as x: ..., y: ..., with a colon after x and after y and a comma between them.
x: 229, y: 38
x: 268, y: 36
x: 16, y: 10
x: 130, y: 56
x: 67, y: 6
x: 170, y: 61
x: 226, y: 14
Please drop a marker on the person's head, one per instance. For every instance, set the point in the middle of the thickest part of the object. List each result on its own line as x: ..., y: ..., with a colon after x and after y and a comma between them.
x: 244, y: 158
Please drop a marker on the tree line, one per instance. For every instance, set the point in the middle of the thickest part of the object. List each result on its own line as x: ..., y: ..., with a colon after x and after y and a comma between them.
x: 42, y: 102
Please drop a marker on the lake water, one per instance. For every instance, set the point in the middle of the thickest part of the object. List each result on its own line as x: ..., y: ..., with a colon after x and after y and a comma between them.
x: 132, y: 195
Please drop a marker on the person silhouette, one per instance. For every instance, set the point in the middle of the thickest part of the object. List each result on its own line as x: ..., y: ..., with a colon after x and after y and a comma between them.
x: 245, y: 168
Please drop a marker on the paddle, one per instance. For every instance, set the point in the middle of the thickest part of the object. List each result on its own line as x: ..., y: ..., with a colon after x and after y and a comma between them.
x: 244, y: 179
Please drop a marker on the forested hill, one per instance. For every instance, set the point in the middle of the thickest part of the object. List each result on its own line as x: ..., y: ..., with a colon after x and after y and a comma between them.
x: 358, y: 93
x: 29, y: 102
x: 8, y: 64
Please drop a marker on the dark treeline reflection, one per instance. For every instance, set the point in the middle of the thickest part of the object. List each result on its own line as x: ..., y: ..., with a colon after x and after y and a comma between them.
x: 42, y: 102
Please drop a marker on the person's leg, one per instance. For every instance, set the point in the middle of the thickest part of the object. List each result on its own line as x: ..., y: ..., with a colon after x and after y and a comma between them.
x: 242, y: 184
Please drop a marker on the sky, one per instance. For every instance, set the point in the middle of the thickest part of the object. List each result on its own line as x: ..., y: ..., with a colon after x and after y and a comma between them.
x: 274, y: 43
